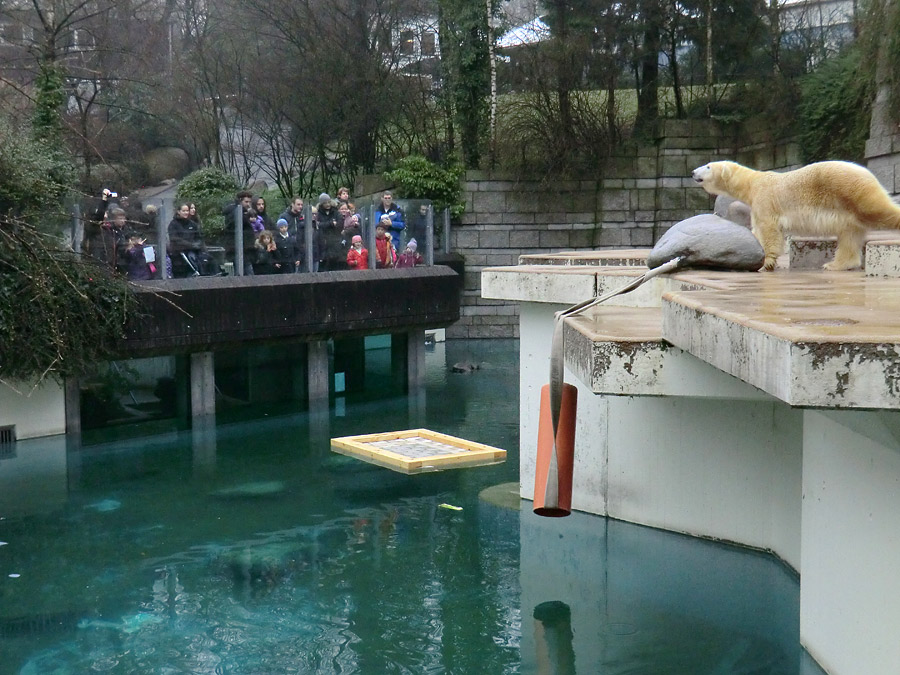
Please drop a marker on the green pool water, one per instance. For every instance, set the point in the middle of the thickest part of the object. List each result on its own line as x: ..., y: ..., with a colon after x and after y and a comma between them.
x: 249, y: 547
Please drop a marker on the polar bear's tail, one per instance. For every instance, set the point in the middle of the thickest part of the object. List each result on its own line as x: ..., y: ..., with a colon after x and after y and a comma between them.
x: 883, y: 215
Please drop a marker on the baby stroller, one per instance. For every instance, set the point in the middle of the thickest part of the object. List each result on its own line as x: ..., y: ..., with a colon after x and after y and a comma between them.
x: 201, y: 264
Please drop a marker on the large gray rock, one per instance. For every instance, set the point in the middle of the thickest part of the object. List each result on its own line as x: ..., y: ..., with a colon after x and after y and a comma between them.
x: 731, y: 209
x: 708, y: 241
x: 163, y: 163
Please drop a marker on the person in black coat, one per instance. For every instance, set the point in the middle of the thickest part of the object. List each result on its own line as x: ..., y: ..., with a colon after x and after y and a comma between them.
x: 243, y: 200
x: 296, y: 227
x: 330, y: 225
x: 185, y: 244
x: 287, y: 252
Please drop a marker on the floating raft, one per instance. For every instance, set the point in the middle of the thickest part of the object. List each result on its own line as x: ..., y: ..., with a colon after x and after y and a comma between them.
x: 417, y: 451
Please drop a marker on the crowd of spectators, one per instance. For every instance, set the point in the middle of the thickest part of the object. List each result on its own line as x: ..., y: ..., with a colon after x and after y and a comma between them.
x: 119, y: 233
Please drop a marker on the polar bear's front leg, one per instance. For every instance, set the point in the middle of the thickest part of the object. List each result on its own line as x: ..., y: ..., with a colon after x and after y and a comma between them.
x: 768, y: 232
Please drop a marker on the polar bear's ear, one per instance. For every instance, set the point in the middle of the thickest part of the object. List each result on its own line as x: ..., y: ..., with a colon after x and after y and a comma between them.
x: 723, y: 169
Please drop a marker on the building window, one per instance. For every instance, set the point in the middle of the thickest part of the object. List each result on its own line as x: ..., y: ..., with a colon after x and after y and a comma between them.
x: 407, y: 42
x: 429, y: 43
x: 10, y: 33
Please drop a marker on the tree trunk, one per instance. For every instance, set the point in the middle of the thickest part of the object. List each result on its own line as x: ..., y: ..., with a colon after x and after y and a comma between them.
x: 564, y: 71
x: 710, y: 82
x: 648, y: 94
x: 492, y: 60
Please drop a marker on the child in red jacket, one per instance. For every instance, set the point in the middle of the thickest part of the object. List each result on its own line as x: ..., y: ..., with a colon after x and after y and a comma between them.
x: 357, y: 256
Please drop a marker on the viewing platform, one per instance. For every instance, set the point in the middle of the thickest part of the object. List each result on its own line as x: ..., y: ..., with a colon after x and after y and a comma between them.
x: 756, y: 408
x: 200, y: 319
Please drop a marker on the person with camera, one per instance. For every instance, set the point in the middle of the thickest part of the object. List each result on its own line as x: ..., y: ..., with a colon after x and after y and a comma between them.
x: 105, y: 237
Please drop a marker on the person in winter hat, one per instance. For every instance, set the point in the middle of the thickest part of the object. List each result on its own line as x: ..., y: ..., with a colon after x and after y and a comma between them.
x: 410, y: 257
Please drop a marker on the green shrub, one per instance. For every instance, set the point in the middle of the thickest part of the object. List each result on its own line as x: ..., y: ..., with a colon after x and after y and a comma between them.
x: 75, y: 312
x: 835, y: 109
x: 416, y: 177
x: 209, y: 189
x: 35, y: 177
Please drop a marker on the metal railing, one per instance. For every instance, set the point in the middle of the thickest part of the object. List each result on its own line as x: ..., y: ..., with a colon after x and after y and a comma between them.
x: 419, y: 224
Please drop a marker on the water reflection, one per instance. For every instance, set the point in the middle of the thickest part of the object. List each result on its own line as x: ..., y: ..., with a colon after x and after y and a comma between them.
x: 554, y: 654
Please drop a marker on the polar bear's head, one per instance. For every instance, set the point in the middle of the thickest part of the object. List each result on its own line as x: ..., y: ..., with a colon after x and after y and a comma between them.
x: 713, y: 177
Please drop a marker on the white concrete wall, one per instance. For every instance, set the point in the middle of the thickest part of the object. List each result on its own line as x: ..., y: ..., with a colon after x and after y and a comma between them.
x: 536, y: 325
x: 850, y: 574
x: 730, y: 470
x: 35, y: 412
x: 723, y: 468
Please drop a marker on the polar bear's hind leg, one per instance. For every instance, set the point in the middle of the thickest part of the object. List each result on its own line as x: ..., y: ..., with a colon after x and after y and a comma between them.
x: 848, y: 255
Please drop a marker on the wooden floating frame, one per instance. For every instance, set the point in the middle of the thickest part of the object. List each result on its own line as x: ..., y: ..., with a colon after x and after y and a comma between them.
x: 457, y: 452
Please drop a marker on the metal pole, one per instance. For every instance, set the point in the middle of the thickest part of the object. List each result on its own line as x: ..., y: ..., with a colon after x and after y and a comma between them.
x: 308, y: 236
x: 77, y: 227
x: 239, y: 240
x: 429, y: 236
x: 162, y: 238
x: 447, y: 230
x: 370, y: 236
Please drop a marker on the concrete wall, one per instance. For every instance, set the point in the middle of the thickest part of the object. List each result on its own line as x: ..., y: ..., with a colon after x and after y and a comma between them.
x: 628, y: 203
x: 34, y: 411
x: 635, y: 460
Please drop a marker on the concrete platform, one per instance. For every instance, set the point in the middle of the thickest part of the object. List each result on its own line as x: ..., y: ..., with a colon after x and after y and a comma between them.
x: 757, y: 408
x: 813, y: 339
x: 621, y: 351
x: 626, y: 257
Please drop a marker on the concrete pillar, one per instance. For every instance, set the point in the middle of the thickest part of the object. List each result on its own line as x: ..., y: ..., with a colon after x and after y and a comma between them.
x: 415, y: 359
x: 399, y: 361
x: 73, y: 405
x: 318, y: 384
x: 203, y: 384
x: 350, y: 359
x: 203, y: 444
x: 319, y: 428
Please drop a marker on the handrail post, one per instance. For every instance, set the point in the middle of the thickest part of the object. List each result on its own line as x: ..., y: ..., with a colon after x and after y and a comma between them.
x: 239, y: 240
x: 162, y: 237
x: 370, y: 237
x: 429, y: 236
x: 308, y: 238
x: 447, y: 231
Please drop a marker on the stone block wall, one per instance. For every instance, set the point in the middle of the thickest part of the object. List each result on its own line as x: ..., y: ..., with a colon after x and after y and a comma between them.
x: 629, y: 203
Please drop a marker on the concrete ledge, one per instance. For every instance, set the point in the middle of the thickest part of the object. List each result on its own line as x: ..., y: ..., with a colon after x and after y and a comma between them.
x: 567, y: 284
x: 620, y: 351
x: 809, y: 339
x: 211, y: 313
x: 883, y: 257
x: 812, y: 339
x: 632, y: 257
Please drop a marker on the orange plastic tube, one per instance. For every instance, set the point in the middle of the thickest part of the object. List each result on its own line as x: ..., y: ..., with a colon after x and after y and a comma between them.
x: 553, y: 472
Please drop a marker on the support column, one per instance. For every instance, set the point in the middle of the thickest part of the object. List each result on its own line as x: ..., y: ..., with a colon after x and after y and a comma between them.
x: 415, y: 359
x: 350, y: 359
x: 203, y: 444
x: 415, y: 369
x: 318, y: 385
x: 73, y: 405
x: 203, y: 384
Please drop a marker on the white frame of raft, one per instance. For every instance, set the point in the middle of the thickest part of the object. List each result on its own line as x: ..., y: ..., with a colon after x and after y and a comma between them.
x: 468, y: 454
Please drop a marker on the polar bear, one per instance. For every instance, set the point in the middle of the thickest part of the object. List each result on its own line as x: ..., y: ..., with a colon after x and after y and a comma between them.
x: 826, y: 199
